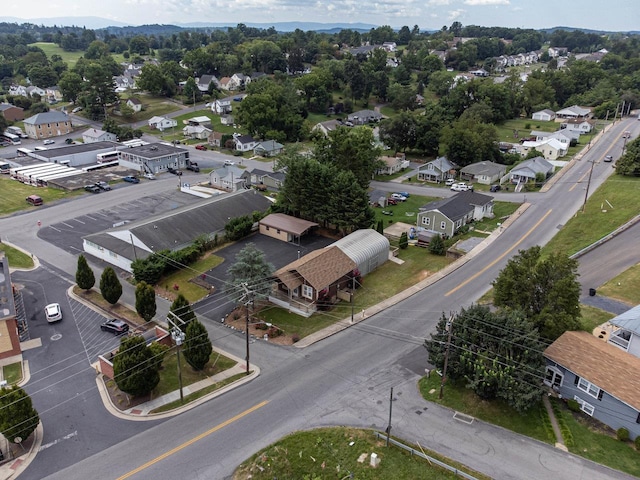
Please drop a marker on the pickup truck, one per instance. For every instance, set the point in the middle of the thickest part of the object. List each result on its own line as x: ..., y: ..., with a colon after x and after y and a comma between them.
x: 193, y: 166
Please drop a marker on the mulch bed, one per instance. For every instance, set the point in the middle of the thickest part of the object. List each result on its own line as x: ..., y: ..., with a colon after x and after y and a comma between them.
x: 121, y: 400
x: 237, y: 320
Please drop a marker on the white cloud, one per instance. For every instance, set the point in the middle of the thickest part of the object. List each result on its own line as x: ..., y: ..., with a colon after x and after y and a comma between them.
x: 438, y: 2
x: 453, y: 14
x: 486, y: 2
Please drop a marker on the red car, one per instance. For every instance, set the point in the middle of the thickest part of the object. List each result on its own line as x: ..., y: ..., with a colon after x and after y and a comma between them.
x: 201, y: 147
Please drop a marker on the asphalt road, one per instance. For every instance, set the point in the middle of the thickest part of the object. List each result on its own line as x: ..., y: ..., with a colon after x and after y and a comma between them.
x: 342, y: 380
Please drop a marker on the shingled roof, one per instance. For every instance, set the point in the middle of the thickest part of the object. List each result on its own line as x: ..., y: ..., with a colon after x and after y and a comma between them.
x: 319, y: 269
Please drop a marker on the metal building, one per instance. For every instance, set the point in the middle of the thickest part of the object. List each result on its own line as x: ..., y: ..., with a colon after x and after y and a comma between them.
x: 367, y: 248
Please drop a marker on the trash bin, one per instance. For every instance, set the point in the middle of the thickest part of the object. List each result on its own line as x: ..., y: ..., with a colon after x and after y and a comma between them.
x: 592, y: 292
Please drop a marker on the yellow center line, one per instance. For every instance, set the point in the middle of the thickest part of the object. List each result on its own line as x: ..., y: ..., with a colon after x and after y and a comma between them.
x: 193, y: 440
x: 580, y: 180
x: 507, y: 252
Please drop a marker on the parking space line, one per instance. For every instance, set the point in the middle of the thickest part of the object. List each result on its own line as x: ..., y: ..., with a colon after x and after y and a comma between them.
x: 79, y: 221
x: 66, y: 224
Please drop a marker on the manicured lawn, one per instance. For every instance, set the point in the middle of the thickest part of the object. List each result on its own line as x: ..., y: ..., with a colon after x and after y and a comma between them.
x: 191, y: 291
x: 70, y: 58
x: 215, y: 121
x: 14, y: 193
x: 624, y: 287
x: 17, y: 259
x: 405, y: 212
x: 501, y: 211
x: 612, y: 205
x: 151, y: 106
x: 524, y: 127
x: 592, y: 317
x: 497, y: 412
x: 332, y: 453
x: 12, y: 373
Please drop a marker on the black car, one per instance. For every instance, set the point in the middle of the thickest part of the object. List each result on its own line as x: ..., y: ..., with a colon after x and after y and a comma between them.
x: 92, y: 188
x: 117, y: 327
x: 103, y: 186
x: 174, y: 171
x: 495, y: 188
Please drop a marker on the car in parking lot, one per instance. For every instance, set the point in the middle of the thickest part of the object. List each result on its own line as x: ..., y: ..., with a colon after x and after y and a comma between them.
x: 460, y: 187
x: 103, y: 186
x: 149, y: 176
x: 131, y: 179
x: 92, y: 188
x: 53, y: 312
x: 608, y: 158
x: 397, y: 196
x: 449, y: 181
x: 117, y: 327
x: 174, y: 171
x: 495, y: 188
x: 48, y: 142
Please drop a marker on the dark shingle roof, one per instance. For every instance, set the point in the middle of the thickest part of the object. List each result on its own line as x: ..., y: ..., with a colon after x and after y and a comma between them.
x: 459, y: 205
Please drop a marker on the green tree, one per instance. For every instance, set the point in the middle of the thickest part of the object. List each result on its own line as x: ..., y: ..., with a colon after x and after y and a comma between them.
x: 126, y: 110
x: 399, y: 132
x: 84, y: 275
x: 134, y: 368
x: 545, y: 290
x: 110, y: 286
x: 404, y: 241
x: 251, y: 271
x: 436, y: 245
x: 197, y: 347
x: 145, y: 301
x: 380, y: 227
x: 71, y: 85
x: 18, y: 418
x: 182, y: 309
x: 191, y: 92
x: 629, y: 163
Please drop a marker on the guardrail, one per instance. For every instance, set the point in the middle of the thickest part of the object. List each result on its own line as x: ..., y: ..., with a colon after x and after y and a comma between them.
x: 429, y: 459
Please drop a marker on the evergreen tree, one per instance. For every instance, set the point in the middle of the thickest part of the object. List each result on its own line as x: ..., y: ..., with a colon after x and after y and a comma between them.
x: 145, y: 301
x: 252, y: 270
x: 197, y: 347
x: 436, y: 245
x: 110, y: 286
x: 18, y: 418
x: 84, y: 275
x: 135, y: 370
x: 181, y: 308
x: 404, y: 241
x: 380, y: 227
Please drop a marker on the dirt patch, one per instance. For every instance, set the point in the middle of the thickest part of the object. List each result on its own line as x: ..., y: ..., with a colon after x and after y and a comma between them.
x: 238, y: 320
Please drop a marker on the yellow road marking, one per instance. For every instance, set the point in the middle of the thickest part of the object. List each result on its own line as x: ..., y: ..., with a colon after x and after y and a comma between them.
x: 193, y: 440
x: 507, y: 252
x: 579, y: 180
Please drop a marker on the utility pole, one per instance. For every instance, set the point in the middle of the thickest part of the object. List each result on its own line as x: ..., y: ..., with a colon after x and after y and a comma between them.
x: 586, y: 193
x: 248, y: 295
x: 446, y: 355
x: 390, y: 409
x: 353, y: 287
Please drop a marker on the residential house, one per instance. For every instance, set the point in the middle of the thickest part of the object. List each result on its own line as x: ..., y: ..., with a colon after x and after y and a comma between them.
x: 11, y: 113
x: 199, y: 132
x: 227, y: 119
x: 365, y: 50
x: 484, y: 173
x: 244, y: 143
x: 555, y: 52
x: 326, y: 127
x: 135, y: 103
x: 124, y: 82
x: 268, y: 148
x: 202, y: 120
x: 204, y: 81
x: 626, y: 331
x: 393, y: 164
x: 602, y: 378
x: 239, y: 81
x: 550, y: 148
x: 222, y: 105
x: 577, y: 125
x: 33, y: 91
x: 270, y: 180
x: 545, y: 115
x: 225, y: 83
x: 52, y: 95
x: 48, y: 124
x: 363, y: 117
x: 448, y: 215
x: 528, y: 170
x: 390, y: 46
x: 227, y: 177
x: 162, y: 123
x: 94, y: 135
x: 437, y: 171
x: 563, y: 136
x: 480, y: 72
x: 574, y: 112
x: 18, y: 91
x: 215, y: 139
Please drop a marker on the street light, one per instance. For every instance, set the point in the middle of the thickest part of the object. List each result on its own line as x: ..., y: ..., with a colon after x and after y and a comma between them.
x: 178, y: 337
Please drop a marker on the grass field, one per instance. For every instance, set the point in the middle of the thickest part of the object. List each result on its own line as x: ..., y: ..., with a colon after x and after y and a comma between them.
x: 70, y: 58
x: 17, y: 259
x: 14, y: 194
x: 625, y: 287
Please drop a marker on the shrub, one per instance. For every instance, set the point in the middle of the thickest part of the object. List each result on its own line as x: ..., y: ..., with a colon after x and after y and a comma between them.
x: 637, y: 442
x: 622, y: 434
x: 573, y: 405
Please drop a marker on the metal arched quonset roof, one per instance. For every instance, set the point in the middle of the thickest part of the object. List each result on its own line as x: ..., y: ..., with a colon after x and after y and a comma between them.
x: 367, y: 248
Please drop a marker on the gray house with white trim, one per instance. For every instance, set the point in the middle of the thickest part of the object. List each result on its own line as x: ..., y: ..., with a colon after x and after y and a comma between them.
x: 446, y: 216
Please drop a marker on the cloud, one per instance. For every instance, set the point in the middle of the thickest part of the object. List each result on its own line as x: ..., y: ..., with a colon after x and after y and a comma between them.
x: 438, y: 2
x: 453, y: 14
x: 476, y: 3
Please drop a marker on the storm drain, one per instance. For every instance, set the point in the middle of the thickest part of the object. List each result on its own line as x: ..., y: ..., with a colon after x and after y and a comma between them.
x: 463, y: 418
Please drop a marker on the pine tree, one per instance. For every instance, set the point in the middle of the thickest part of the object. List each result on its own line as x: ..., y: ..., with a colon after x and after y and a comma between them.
x: 18, y: 418
x: 134, y: 369
x: 436, y: 245
x: 110, y: 286
x: 197, y: 348
x: 181, y: 308
x: 145, y: 301
x: 84, y: 275
x: 380, y: 227
x: 404, y: 241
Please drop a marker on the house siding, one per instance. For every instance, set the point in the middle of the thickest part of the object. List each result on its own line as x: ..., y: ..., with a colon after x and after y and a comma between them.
x: 275, y: 233
x: 435, y: 220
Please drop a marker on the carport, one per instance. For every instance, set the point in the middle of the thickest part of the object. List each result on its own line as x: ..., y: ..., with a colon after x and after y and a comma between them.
x: 285, y: 227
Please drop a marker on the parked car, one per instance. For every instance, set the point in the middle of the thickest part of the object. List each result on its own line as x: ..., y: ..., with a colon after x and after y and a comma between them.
x: 459, y: 187
x: 495, y: 188
x: 449, y: 181
x: 193, y: 166
x: 34, y: 200
x: 174, y: 171
x: 103, y: 186
x: 397, y: 196
x: 608, y: 158
x: 76, y: 110
x: 149, y: 176
x: 131, y: 179
x: 392, y: 201
x: 48, y: 142
x: 92, y: 188
x: 404, y: 194
x: 229, y: 162
x: 53, y: 312
x: 117, y: 327
x: 69, y: 141
x: 201, y: 147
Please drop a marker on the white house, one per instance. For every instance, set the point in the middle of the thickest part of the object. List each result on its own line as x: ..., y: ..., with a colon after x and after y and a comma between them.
x: 527, y: 170
x: 162, y: 123
x: 245, y: 143
x: 94, y: 135
x: 574, y: 112
x: 550, y: 148
x: 577, y: 125
x: 135, y: 104
x: 545, y: 115
x: 199, y: 132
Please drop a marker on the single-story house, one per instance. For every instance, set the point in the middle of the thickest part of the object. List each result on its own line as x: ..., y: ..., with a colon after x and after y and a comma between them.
x: 162, y: 123
x: 227, y: 119
x: 448, y: 215
x: 526, y: 171
x: 268, y: 148
x: 574, y: 112
x: 577, y: 125
x: 363, y: 117
x: 563, y: 136
x: 227, y: 177
x: 393, y: 164
x: 326, y: 127
x: 545, y: 115
x: 215, y: 138
x: 48, y: 124
x: 272, y: 180
x: 174, y: 230
x: 437, y: 171
x: 204, y: 81
x: 135, y: 104
x: 285, y: 227
x: 94, y: 135
x: 11, y: 113
x: 244, y: 143
x: 602, y: 378
x: 484, y: 173
x: 199, y: 132
x: 551, y: 148
x: 202, y: 120
x: 626, y: 333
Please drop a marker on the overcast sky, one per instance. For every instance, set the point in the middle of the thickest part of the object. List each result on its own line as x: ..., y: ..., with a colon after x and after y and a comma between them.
x: 611, y: 15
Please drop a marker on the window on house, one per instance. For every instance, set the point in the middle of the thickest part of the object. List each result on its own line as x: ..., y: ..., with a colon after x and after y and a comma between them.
x: 307, y: 292
x: 553, y: 377
x: 426, y: 221
x: 443, y: 225
x: 296, y: 292
x: 278, y: 231
x: 584, y: 406
x: 588, y: 387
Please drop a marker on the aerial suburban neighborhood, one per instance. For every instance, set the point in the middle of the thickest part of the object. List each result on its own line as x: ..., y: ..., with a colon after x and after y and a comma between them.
x: 310, y: 252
